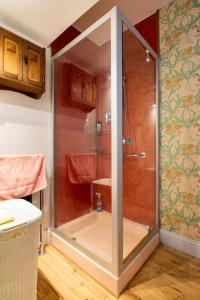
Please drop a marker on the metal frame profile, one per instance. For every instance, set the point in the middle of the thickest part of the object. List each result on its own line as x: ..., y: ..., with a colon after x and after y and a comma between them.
x: 117, y: 20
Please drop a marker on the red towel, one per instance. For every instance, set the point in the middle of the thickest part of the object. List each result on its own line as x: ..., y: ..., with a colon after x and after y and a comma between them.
x: 81, y: 167
x: 21, y: 175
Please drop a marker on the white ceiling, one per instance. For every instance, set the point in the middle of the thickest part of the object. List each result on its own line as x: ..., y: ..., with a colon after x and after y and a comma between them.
x: 45, y: 20
x: 42, y: 20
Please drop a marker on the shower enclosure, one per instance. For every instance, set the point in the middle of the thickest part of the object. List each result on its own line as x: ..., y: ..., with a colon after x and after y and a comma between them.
x: 104, y: 212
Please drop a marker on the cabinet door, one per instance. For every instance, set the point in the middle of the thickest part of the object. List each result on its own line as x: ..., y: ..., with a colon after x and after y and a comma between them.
x: 10, y: 55
x: 94, y: 92
x: 33, y: 72
x: 76, y: 84
x: 87, y: 89
x: 79, y: 88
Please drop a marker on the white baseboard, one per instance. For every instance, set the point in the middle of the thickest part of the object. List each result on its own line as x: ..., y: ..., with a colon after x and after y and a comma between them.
x: 180, y: 243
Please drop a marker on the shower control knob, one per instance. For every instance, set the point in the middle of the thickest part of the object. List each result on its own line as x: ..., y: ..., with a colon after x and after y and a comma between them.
x: 127, y: 141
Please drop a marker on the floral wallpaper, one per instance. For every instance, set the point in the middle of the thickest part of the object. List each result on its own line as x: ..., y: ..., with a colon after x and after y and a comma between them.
x: 180, y: 117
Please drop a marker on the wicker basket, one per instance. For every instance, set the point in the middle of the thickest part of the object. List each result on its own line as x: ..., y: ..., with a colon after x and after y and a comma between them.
x: 19, y: 252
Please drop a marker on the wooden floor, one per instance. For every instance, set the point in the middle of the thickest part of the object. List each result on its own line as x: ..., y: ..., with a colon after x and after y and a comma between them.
x: 168, y: 275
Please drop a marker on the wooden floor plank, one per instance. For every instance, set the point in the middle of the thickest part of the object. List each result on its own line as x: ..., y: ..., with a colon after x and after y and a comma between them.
x: 84, y: 278
x: 167, y: 275
x: 71, y: 280
x: 45, y: 291
x: 61, y: 288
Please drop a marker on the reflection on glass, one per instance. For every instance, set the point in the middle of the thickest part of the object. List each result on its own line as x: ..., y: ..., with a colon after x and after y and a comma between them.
x: 83, y: 144
x: 139, y: 155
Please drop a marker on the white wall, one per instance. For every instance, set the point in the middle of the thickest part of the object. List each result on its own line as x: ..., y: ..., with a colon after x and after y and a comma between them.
x: 25, y: 126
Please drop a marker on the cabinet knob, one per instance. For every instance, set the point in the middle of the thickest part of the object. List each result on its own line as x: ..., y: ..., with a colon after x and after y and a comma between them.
x: 26, y: 60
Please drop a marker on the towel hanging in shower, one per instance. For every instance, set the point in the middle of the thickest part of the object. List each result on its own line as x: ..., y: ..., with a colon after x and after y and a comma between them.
x: 81, y: 167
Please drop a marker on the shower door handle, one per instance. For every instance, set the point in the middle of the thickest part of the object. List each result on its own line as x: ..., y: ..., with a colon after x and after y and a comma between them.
x: 141, y: 155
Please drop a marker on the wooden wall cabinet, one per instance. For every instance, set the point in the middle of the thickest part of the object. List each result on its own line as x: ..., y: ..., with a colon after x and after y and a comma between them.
x: 79, y: 88
x: 22, y: 65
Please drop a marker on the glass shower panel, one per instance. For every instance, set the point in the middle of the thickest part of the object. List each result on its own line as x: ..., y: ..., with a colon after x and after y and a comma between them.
x: 139, y: 142
x: 82, y: 162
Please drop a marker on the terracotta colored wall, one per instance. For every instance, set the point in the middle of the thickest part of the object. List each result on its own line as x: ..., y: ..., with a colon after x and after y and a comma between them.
x: 73, y: 133
x: 104, y: 140
x: 149, y: 30
x: 139, y: 194
x: 65, y: 38
x: 139, y: 124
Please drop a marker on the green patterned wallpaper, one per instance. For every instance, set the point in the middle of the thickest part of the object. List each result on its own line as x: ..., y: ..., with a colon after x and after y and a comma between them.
x: 180, y: 117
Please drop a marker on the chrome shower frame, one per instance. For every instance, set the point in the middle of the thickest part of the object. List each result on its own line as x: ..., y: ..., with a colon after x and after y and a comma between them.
x: 117, y: 20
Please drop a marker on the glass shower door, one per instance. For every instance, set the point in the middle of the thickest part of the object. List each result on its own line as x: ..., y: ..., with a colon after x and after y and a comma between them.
x: 139, y: 142
x: 82, y: 151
